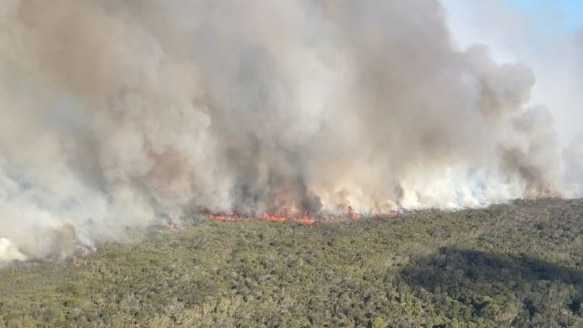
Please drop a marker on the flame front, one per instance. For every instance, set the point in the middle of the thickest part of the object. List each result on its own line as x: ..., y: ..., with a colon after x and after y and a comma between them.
x: 304, y: 219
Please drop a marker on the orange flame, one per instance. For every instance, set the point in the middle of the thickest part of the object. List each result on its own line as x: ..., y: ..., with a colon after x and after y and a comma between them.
x: 304, y: 219
x: 274, y: 217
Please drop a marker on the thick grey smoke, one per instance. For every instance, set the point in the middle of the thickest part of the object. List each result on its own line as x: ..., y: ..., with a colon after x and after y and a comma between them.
x: 120, y: 114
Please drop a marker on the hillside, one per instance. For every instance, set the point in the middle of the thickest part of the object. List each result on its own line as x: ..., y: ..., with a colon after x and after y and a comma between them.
x: 516, y: 265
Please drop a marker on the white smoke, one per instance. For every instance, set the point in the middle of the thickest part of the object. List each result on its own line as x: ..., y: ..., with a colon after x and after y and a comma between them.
x: 119, y: 114
x: 551, y: 45
x: 9, y: 252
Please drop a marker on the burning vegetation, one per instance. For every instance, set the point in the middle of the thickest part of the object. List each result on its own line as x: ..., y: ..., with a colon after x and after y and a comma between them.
x: 306, y: 218
x: 119, y: 114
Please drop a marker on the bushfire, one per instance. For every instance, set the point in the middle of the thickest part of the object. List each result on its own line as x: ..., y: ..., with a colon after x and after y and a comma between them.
x: 305, y: 219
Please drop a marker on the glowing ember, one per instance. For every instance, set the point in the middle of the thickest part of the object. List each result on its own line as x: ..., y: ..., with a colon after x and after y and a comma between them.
x: 274, y: 217
x: 306, y: 219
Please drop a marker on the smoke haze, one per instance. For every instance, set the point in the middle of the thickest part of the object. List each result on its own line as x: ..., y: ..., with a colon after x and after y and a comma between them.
x: 121, y: 114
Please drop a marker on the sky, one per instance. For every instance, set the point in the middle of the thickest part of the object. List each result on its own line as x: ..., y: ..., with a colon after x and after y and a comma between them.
x: 546, y: 35
x: 556, y: 15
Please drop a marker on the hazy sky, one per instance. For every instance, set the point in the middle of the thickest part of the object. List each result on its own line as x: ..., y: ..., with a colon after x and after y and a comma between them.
x: 547, y: 35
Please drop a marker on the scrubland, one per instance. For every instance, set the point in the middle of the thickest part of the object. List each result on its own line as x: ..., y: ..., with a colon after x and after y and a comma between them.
x: 513, y: 265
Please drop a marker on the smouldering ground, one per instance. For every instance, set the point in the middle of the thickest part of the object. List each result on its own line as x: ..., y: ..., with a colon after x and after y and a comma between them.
x: 509, y: 265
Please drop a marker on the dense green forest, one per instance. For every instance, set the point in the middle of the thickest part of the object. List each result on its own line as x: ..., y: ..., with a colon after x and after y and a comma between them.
x: 514, y: 265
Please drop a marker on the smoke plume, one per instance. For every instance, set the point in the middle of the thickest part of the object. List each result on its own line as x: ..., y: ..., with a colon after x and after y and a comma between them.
x: 121, y: 114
